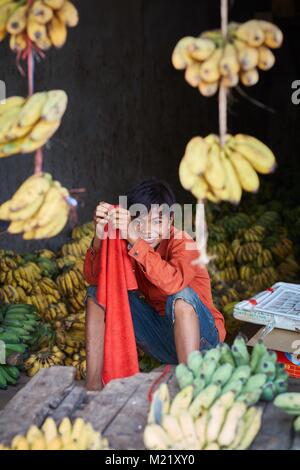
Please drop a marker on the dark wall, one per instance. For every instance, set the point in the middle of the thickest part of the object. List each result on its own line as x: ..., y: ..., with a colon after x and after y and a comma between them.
x: 130, y: 114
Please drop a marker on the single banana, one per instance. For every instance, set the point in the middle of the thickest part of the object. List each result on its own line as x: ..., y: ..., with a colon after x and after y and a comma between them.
x: 247, y: 175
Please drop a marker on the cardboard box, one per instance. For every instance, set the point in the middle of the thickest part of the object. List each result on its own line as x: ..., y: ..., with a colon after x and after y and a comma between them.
x: 287, y: 346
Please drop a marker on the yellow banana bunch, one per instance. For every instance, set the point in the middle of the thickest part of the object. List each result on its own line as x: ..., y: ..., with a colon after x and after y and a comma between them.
x: 205, y: 423
x: 43, y: 359
x: 45, y: 23
x: 38, y: 209
x: 27, y: 124
x: 67, y: 436
x: 211, y: 59
x: 221, y: 174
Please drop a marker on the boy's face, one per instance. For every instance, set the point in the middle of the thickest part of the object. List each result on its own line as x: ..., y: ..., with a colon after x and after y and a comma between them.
x: 153, y: 227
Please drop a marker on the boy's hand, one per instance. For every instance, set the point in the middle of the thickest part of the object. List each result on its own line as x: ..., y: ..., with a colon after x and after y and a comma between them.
x: 121, y: 219
x: 101, y: 218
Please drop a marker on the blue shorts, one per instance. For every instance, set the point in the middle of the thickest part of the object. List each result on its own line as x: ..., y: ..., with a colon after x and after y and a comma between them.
x: 154, y: 333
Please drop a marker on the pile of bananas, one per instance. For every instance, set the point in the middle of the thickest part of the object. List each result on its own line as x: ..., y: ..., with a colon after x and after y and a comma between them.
x: 290, y: 404
x: 218, y: 173
x: 38, y: 209
x: 209, y: 423
x: 250, y: 251
x: 78, y: 360
x: 211, y: 59
x: 18, y: 324
x: 26, y: 124
x: 250, y: 377
x: 67, y: 436
x: 44, y: 23
x: 43, y: 359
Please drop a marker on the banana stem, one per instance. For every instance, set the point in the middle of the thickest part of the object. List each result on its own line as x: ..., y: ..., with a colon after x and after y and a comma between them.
x: 222, y: 88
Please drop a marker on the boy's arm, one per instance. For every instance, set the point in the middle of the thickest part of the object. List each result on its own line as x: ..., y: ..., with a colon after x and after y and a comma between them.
x: 92, y: 262
x: 170, y: 276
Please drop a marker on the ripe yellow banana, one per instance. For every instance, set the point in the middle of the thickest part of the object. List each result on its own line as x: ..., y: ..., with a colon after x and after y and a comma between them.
x: 232, y: 181
x: 54, y: 4
x: 245, y: 171
x: 251, y: 32
x: 249, y: 77
x: 41, y: 12
x: 32, y: 109
x: 209, y: 70
x: 55, y: 105
x: 34, y: 186
x: 247, y: 55
x: 12, y: 102
x: 208, y: 89
x: 273, y: 35
x: 68, y: 14
x: 7, y: 120
x: 229, y: 64
x: 186, y: 177
x: 17, y: 21
x: 256, y: 152
x: 43, y: 130
x: 35, y: 30
x: 201, y: 49
x: 57, y: 31
x: 200, y: 188
x: 196, y: 155
x: 214, y: 172
x: 266, y: 58
x: 192, y: 74
x: 181, y: 56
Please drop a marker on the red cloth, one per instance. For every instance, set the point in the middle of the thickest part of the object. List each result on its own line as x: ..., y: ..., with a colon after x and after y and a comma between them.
x: 116, y: 276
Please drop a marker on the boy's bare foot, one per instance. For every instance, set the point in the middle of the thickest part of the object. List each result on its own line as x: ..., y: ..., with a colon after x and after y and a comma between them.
x: 91, y: 387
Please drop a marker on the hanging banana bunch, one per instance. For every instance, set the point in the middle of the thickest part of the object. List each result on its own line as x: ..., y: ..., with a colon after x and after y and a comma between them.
x: 210, y: 59
x: 44, y: 22
x: 38, y: 209
x: 26, y: 124
x: 218, y: 173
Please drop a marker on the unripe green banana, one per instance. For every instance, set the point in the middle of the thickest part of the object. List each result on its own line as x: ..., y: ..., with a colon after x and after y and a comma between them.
x: 234, y: 386
x: 226, y: 354
x: 184, y: 376
x: 281, y: 385
x: 222, y: 374
x: 258, y: 351
x: 208, y: 367
x: 288, y: 402
x: 297, y: 424
x: 241, y: 373
x: 213, y: 353
x: 250, y: 398
x: 240, y: 351
x: 268, y: 368
x: 254, y: 382
x: 199, y: 384
x: 194, y: 362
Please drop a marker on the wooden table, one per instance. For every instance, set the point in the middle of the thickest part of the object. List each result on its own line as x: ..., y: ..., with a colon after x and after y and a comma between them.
x: 119, y: 411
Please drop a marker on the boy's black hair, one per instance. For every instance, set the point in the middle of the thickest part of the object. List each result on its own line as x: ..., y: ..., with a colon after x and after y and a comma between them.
x: 151, y: 191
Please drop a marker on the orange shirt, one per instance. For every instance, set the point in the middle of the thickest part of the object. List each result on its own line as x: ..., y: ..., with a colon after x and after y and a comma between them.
x: 163, y: 271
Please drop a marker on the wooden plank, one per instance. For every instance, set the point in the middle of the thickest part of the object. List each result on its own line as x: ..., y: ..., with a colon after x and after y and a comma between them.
x: 105, y: 405
x: 34, y: 402
x: 74, y: 400
x: 126, y: 430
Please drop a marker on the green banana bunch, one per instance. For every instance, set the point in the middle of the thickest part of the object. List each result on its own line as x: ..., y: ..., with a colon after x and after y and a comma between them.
x: 289, y: 403
x: 249, y: 377
x: 9, y: 375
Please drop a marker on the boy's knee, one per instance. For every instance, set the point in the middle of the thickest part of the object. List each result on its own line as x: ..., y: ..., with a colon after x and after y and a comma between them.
x: 183, y: 310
